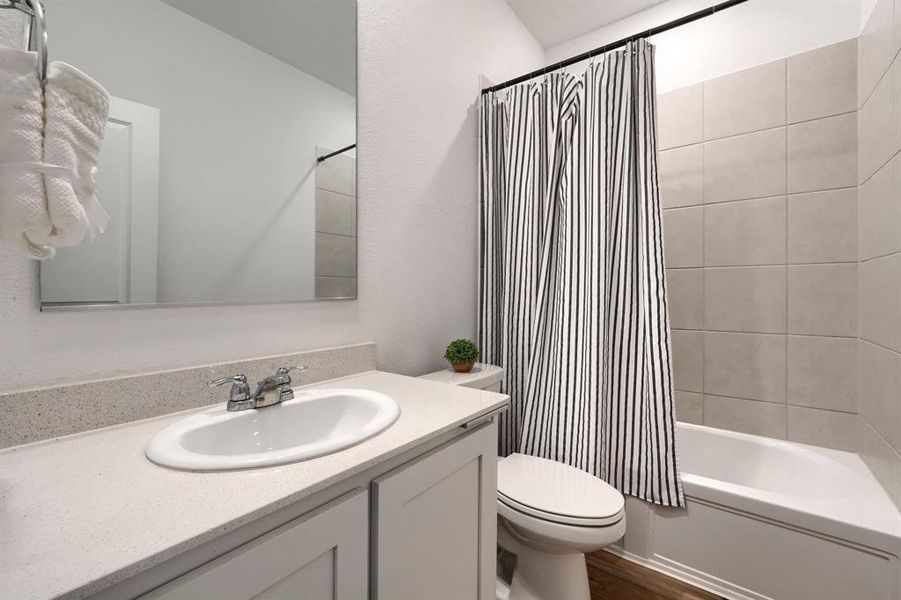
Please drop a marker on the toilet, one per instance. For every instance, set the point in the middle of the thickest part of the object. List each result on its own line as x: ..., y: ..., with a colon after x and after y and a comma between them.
x: 548, y: 514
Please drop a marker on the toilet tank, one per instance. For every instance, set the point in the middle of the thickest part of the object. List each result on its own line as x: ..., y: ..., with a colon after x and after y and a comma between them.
x: 482, y: 377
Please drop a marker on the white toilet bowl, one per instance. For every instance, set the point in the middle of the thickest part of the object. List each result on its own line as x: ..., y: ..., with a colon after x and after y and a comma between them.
x: 549, y: 516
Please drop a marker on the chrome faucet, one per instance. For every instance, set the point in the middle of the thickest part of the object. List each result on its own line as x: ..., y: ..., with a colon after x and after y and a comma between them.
x: 274, y: 389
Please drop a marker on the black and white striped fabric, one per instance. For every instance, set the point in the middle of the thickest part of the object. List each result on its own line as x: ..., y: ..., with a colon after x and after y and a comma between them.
x: 572, y: 287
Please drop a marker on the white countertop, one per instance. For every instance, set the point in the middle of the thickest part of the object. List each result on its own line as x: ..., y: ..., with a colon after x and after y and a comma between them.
x: 83, y: 512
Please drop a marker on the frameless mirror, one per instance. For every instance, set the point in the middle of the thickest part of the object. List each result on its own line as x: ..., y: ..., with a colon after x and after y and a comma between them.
x: 212, y: 163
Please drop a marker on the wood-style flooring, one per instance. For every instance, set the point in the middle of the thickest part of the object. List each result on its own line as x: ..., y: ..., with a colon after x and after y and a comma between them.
x: 614, y: 578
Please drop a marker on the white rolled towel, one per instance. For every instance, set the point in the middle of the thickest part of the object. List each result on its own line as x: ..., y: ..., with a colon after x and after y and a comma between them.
x: 74, y: 119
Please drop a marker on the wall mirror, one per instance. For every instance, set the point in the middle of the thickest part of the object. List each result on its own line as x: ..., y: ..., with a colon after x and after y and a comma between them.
x: 211, y: 167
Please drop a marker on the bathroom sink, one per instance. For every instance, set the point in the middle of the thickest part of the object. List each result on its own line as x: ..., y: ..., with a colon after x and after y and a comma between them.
x: 314, y: 423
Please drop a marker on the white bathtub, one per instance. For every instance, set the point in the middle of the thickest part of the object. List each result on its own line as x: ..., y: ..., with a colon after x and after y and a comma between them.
x: 768, y: 519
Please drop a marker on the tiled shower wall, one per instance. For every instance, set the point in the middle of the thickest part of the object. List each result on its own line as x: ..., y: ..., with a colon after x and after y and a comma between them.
x: 879, y: 253
x: 758, y: 175
x: 336, y: 226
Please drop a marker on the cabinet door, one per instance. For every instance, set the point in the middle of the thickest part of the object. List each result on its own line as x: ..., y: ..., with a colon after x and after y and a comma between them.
x: 318, y: 556
x: 434, y: 533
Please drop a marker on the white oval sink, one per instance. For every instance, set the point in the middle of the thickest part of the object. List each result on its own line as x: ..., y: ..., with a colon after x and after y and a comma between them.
x: 315, y: 423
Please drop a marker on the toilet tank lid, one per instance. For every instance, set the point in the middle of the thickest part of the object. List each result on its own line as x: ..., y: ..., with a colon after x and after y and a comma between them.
x: 481, y: 376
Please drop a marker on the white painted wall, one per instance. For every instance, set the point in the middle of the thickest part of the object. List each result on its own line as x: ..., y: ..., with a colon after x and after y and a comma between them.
x: 238, y: 131
x: 740, y: 37
x: 419, y: 67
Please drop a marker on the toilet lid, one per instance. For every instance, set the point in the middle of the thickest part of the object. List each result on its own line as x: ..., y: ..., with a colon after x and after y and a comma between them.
x: 555, y: 491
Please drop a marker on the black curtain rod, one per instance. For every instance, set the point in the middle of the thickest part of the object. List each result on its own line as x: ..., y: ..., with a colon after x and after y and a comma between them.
x: 335, y: 153
x: 617, y: 44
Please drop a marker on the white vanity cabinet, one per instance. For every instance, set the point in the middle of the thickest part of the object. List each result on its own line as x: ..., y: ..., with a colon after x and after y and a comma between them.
x: 323, y: 554
x: 433, y: 530
x: 419, y: 527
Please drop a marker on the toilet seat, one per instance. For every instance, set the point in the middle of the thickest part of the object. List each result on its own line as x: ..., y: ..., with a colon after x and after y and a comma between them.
x: 558, y: 518
x: 552, y: 491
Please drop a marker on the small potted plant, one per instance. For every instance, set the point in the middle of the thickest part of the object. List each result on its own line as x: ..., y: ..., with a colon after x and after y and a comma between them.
x: 462, y: 354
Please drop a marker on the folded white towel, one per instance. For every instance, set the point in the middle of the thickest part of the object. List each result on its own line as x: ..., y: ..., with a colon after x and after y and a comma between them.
x: 36, y: 220
x: 22, y: 201
x: 75, y: 117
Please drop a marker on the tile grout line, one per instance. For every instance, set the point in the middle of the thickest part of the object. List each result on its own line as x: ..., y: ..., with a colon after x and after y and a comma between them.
x: 771, y: 196
x: 878, y: 345
x: 875, y: 172
x: 785, y: 125
x: 787, y: 187
x: 891, y: 63
x: 764, y: 265
x: 704, y: 254
x: 773, y: 333
x: 786, y: 404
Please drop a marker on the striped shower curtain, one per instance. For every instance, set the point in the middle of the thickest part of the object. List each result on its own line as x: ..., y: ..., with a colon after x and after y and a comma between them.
x: 572, y: 291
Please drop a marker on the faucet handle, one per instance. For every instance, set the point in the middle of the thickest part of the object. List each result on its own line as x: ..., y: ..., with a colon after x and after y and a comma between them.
x: 240, y: 390
x: 239, y: 378
x: 286, y: 393
x: 286, y: 370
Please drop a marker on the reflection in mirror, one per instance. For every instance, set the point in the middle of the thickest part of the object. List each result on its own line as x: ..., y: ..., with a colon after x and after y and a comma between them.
x: 210, y: 164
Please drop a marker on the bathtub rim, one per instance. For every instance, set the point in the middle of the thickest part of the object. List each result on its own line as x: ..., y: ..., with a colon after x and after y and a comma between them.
x: 765, y: 504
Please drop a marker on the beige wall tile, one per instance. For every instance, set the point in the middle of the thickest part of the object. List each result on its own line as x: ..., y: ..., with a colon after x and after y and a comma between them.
x: 680, y: 118
x: 896, y: 101
x: 690, y: 407
x: 822, y: 226
x: 746, y: 101
x: 336, y: 174
x: 746, y: 416
x: 682, y: 176
x: 875, y: 48
x: 879, y: 226
x: 334, y: 213
x: 745, y: 365
x: 880, y: 390
x: 876, y: 135
x: 822, y: 154
x: 747, y: 232
x: 746, y: 166
x: 881, y: 458
x: 897, y: 28
x: 336, y: 256
x: 688, y: 360
x: 750, y: 299
x: 822, y: 372
x: 683, y: 241
x: 897, y: 35
x: 880, y: 301
x: 685, y: 289
x: 822, y: 428
x: 822, y: 299
x: 823, y: 82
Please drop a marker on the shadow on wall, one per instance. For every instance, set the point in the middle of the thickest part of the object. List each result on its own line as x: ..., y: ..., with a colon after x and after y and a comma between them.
x: 451, y: 204
x: 253, y: 243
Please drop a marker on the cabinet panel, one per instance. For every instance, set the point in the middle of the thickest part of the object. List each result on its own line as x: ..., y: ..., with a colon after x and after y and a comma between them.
x: 434, y: 523
x: 319, y: 556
